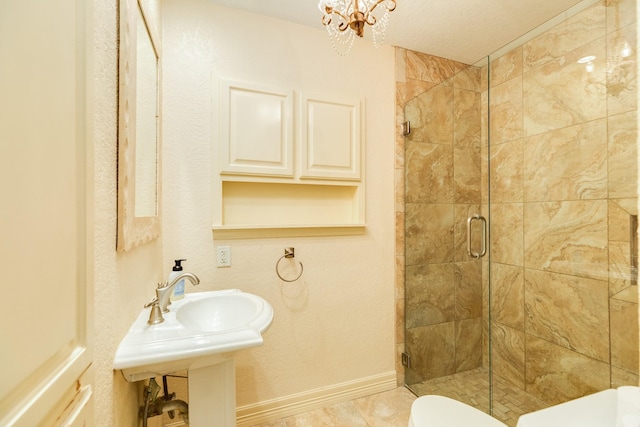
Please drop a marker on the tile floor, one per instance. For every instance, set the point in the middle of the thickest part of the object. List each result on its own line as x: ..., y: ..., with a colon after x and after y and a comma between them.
x: 392, y: 408
x: 387, y: 409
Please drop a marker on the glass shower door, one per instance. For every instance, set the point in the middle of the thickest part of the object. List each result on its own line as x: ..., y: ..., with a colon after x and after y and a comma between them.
x: 446, y: 237
x: 563, y: 193
x: 541, y: 140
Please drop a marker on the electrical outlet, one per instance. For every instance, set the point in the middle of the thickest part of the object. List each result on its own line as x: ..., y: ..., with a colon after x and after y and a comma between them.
x: 223, y: 254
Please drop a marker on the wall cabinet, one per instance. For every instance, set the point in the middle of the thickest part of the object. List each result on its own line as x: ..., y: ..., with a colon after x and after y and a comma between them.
x: 288, y: 162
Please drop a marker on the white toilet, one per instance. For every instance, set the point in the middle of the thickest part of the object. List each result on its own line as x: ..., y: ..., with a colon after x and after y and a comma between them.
x: 440, y: 411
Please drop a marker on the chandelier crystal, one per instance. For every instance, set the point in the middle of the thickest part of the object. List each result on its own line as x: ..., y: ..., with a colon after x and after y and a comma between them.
x: 345, y: 19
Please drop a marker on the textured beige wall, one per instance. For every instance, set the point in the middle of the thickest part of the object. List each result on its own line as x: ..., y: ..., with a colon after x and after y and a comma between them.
x: 335, y: 325
x: 123, y: 282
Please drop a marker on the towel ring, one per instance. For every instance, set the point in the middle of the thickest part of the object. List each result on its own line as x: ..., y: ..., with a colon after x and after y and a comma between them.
x: 288, y: 253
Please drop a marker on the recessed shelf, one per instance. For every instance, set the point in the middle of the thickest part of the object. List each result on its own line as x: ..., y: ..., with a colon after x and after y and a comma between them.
x: 264, y: 232
x: 259, y: 205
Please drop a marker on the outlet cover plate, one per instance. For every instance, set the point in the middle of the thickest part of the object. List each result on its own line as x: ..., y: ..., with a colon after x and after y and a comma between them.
x: 223, y: 256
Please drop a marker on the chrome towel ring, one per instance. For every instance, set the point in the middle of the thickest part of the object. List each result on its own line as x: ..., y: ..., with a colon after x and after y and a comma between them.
x: 288, y: 253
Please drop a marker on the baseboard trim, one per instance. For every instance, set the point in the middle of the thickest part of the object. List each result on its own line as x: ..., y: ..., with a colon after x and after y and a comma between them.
x: 271, y: 410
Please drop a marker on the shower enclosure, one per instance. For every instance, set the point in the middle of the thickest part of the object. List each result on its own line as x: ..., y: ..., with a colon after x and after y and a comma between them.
x: 519, y: 237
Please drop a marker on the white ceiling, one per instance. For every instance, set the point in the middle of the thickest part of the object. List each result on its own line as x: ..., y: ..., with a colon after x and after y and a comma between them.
x: 462, y: 30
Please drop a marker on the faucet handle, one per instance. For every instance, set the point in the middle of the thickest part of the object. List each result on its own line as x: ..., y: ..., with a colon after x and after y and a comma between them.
x: 163, y: 288
x: 152, y: 302
x: 155, y: 316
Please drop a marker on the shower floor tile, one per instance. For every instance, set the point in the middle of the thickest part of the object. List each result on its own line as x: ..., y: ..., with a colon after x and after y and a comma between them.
x: 472, y: 387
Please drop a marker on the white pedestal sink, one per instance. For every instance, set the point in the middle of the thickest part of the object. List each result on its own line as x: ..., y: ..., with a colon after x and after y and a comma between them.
x: 200, y: 334
x: 212, y: 389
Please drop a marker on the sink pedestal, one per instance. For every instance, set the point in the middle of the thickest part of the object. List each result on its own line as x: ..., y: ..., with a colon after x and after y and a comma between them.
x: 199, y: 334
x: 212, y: 395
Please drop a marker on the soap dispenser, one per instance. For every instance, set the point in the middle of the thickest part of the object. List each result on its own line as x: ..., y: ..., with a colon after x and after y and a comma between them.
x: 178, y: 289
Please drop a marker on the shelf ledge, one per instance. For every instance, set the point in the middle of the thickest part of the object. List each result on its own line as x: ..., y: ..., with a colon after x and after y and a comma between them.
x: 262, y: 232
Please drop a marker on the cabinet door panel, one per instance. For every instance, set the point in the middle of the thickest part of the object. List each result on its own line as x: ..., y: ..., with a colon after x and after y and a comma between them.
x: 331, y: 138
x: 256, y: 129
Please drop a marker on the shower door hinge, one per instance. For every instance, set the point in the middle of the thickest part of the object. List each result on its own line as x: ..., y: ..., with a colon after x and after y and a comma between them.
x: 406, y: 360
x: 406, y: 128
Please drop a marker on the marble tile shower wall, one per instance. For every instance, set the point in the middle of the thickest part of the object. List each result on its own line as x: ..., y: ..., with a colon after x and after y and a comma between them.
x: 443, y: 285
x: 443, y: 186
x: 563, y: 183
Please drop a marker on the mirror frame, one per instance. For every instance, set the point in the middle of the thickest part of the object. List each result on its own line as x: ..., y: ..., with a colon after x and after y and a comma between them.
x: 133, y: 230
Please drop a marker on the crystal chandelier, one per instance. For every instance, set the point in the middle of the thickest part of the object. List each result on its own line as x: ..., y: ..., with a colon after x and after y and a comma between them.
x: 342, y: 15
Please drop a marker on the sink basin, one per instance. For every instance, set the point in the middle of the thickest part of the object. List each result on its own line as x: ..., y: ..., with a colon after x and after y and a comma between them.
x: 219, y: 312
x: 199, y: 330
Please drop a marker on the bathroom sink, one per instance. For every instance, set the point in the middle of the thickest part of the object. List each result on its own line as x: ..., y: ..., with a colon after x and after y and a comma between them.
x: 220, y: 312
x: 200, y: 330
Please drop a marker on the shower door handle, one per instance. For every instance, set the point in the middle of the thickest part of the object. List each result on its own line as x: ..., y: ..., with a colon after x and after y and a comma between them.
x: 483, y: 241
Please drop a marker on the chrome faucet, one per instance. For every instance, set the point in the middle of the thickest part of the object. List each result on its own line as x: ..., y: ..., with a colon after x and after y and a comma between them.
x: 164, y: 290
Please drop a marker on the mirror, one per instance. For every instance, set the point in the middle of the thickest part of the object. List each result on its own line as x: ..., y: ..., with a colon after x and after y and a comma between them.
x: 138, y: 129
